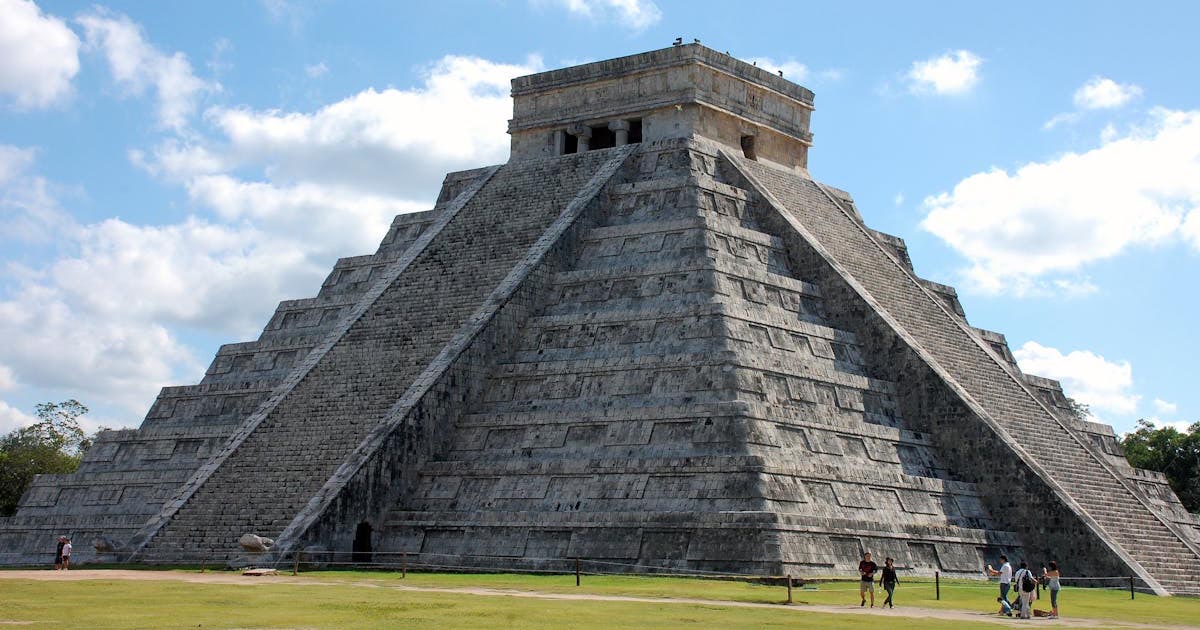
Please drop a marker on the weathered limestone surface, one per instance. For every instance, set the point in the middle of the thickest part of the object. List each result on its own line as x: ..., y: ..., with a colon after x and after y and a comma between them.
x: 682, y: 401
x: 129, y: 475
x: 649, y: 340
x: 1062, y: 478
x: 302, y: 441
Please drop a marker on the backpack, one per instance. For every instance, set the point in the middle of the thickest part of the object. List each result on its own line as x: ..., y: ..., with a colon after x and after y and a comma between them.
x: 1028, y: 584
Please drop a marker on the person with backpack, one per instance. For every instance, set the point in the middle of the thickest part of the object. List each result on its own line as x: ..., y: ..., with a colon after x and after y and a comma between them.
x: 1026, y: 590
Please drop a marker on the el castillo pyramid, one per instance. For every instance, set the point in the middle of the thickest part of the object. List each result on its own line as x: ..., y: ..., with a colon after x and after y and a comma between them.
x: 649, y: 339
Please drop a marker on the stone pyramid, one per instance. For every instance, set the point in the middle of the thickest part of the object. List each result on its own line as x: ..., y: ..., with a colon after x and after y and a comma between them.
x: 650, y: 340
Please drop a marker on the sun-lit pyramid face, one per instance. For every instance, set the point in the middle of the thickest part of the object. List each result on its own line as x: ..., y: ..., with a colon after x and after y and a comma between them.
x: 678, y: 92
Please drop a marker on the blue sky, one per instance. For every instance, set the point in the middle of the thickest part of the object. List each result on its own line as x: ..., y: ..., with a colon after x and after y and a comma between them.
x: 169, y: 171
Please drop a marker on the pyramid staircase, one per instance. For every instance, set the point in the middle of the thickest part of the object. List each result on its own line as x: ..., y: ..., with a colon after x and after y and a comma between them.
x: 287, y: 450
x: 1060, y: 465
x: 681, y: 400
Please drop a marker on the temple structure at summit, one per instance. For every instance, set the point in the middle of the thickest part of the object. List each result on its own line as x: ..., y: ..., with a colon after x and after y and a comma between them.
x: 649, y: 339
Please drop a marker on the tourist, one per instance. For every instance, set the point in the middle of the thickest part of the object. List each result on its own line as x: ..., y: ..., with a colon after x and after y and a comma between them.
x: 1026, y: 590
x: 1005, y: 607
x: 866, y: 582
x: 888, y: 580
x: 66, y: 554
x: 1053, y: 582
x: 62, y: 540
x: 1005, y: 574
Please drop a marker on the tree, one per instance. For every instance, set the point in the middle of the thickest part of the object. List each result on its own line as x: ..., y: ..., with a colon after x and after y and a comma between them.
x: 55, y: 444
x: 1078, y: 410
x: 1174, y: 453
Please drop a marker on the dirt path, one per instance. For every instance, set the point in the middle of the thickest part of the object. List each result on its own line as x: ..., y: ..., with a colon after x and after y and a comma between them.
x: 224, y: 577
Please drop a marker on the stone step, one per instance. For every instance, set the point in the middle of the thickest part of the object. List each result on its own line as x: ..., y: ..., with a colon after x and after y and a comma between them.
x: 297, y: 446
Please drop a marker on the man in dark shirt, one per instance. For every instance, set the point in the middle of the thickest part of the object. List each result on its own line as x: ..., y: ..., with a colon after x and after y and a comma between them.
x: 866, y: 582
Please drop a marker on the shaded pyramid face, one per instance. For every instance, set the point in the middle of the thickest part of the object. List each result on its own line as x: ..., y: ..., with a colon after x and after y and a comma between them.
x: 683, y: 399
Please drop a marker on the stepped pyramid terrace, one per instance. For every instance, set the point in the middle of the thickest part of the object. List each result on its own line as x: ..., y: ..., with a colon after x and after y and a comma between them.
x: 650, y: 339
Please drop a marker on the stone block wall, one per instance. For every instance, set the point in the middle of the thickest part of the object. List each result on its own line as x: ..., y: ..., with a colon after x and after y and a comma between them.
x: 1043, y: 479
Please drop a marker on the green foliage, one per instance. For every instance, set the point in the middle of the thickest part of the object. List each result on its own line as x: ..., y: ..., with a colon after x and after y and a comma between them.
x: 1171, y: 452
x: 55, y: 444
x: 1079, y: 410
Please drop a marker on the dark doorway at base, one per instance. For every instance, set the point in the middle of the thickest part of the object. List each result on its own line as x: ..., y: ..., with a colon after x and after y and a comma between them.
x: 362, y: 543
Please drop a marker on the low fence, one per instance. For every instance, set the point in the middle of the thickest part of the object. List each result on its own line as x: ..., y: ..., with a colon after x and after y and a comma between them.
x: 403, y: 562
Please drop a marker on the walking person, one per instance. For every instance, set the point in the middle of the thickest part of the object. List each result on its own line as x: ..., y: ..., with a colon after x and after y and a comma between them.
x: 889, y: 580
x: 1054, y: 583
x: 62, y: 541
x: 1026, y: 590
x: 1006, y: 573
x: 866, y: 582
x: 66, y: 554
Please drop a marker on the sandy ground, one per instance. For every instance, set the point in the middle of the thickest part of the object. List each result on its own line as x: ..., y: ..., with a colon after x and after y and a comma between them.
x: 226, y: 577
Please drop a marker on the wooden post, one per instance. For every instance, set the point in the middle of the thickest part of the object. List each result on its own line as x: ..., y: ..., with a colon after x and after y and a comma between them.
x: 403, y: 564
x: 937, y: 584
x: 203, y: 562
x: 576, y: 571
x: 296, y: 564
x: 789, y: 584
x: 1131, y: 587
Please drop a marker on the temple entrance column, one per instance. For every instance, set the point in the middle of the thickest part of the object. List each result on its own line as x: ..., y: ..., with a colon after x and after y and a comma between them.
x: 621, y: 129
x: 584, y: 134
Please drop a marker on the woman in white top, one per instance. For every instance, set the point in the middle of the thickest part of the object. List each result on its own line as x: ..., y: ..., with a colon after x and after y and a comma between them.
x: 67, y: 555
x: 1053, y: 582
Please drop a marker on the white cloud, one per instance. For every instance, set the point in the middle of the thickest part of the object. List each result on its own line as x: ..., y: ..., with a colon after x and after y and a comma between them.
x: 1033, y: 229
x: 1085, y: 376
x: 636, y: 14
x: 8, y: 380
x: 1191, y: 229
x: 316, y: 70
x: 28, y: 210
x: 39, y: 53
x: 955, y: 72
x: 328, y: 221
x: 218, y: 62
x: 1104, y: 93
x: 12, y: 418
x: 793, y: 70
x: 56, y: 345
x: 137, y: 66
x: 1065, y: 118
x: 1164, y: 407
x: 292, y: 13
x: 277, y: 196
x: 1182, y: 426
x: 1097, y: 93
x: 394, y: 142
x: 898, y: 200
x: 14, y: 161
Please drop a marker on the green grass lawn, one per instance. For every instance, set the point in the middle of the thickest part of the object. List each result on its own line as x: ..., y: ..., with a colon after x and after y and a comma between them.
x: 337, y: 599
x: 955, y: 594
